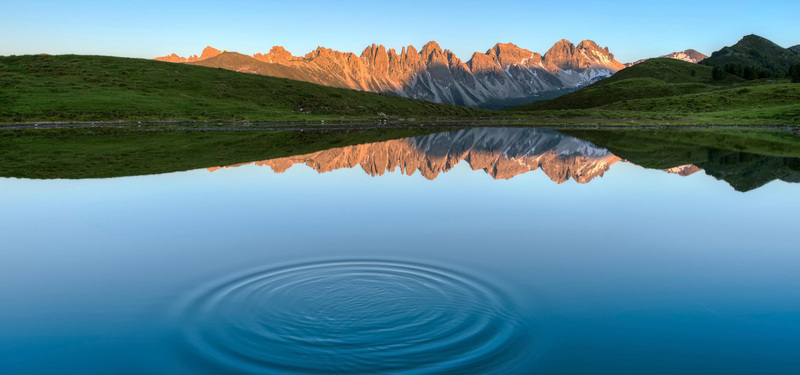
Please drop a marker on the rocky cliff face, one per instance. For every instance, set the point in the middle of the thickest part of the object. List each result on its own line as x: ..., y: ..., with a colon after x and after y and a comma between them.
x: 505, y: 74
x: 688, y: 55
x: 207, y: 53
x: 502, y: 154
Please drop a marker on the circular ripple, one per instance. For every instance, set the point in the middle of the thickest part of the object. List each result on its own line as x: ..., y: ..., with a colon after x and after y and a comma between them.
x: 356, y: 317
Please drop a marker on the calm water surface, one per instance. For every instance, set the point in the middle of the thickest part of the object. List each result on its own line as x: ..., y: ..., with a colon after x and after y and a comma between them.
x: 485, y: 251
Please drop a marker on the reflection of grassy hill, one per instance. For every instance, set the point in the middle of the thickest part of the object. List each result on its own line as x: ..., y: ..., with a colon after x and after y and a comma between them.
x: 115, y: 152
x: 746, y: 159
x: 95, y: 88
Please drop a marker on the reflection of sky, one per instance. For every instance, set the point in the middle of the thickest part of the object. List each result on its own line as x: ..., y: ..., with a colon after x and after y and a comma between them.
x: 635, y: 262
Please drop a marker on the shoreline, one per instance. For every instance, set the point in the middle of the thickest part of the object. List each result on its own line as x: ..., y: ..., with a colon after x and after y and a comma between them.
x: 387, y: 124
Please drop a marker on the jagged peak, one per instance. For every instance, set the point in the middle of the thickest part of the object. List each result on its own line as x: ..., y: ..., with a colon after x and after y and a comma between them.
x: 589, y: 44
x: 507, y: 54
x: 373, y: 50
x: 209, y: 52
x: 431, y: 47
x: 563, y: 42
x: 499, y: 47
x: 276, y: 54
x: 562, y: 45
x: 277, y: 49
x: 481, y: 61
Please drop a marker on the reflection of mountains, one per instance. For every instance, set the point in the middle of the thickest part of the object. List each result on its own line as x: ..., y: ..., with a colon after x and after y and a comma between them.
x: 501, y: 152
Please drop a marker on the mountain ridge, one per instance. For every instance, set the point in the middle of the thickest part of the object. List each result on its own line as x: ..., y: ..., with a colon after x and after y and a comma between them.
x: 757, y: 52
x: 504, y: 72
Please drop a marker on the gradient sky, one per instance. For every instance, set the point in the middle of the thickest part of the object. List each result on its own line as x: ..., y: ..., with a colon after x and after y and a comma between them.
x: 147, y: 28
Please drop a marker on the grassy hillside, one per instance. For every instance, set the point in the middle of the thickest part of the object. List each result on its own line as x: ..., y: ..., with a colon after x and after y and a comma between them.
x: 116, y: 152
x: 778, y: 100
x: 653, y: 78
x: 96, y: 88
x: 678, y: 90
x: 755, y: 51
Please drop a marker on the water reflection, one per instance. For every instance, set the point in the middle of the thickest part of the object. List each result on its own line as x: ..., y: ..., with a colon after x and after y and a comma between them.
x: 504, y: 153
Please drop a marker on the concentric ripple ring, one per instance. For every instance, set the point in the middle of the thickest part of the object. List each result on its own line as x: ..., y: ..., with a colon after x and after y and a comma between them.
x: 356, y: 317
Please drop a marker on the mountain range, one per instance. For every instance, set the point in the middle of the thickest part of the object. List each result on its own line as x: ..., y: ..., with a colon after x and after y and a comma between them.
x: 504, y: 75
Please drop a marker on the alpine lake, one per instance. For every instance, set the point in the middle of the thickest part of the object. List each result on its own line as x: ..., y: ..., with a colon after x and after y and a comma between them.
x: 423, y: 251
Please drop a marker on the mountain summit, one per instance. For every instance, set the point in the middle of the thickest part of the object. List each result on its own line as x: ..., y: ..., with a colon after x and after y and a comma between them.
x: 504, y: 75
x: 755, y: 51
x: 688, y: 55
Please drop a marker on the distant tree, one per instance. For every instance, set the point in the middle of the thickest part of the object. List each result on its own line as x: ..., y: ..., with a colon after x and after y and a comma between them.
x: 795, y: 73
x: 749, y: 73
x: 693, y: 72
x: 718, y: 73
x: 763, y: 73
x: 735, y: 69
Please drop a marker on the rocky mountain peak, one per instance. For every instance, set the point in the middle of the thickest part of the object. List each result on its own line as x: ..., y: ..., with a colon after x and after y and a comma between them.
x: 688, y: 55
x: 276, y: 55
x: 409, y: 53
x: 507, y: 54
x: 431, y: 48
x: 562, y: 46
x: 591, y: 45
x: 482, y: 63
x: 376, y: 57
x: 173, y: 58
x: 209, y: 52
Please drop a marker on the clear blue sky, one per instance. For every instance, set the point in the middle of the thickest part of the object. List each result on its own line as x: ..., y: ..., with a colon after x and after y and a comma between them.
x: 147, y: 28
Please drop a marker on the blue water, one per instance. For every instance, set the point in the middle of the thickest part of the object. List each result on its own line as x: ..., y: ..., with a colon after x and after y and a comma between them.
x: 248, y: 271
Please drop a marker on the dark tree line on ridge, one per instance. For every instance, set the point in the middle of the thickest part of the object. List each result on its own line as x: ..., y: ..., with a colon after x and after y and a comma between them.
x: 753, y: 72
x: 794, y: 72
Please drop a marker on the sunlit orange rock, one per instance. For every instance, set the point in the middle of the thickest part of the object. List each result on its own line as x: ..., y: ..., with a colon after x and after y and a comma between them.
x: 504, y: 72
